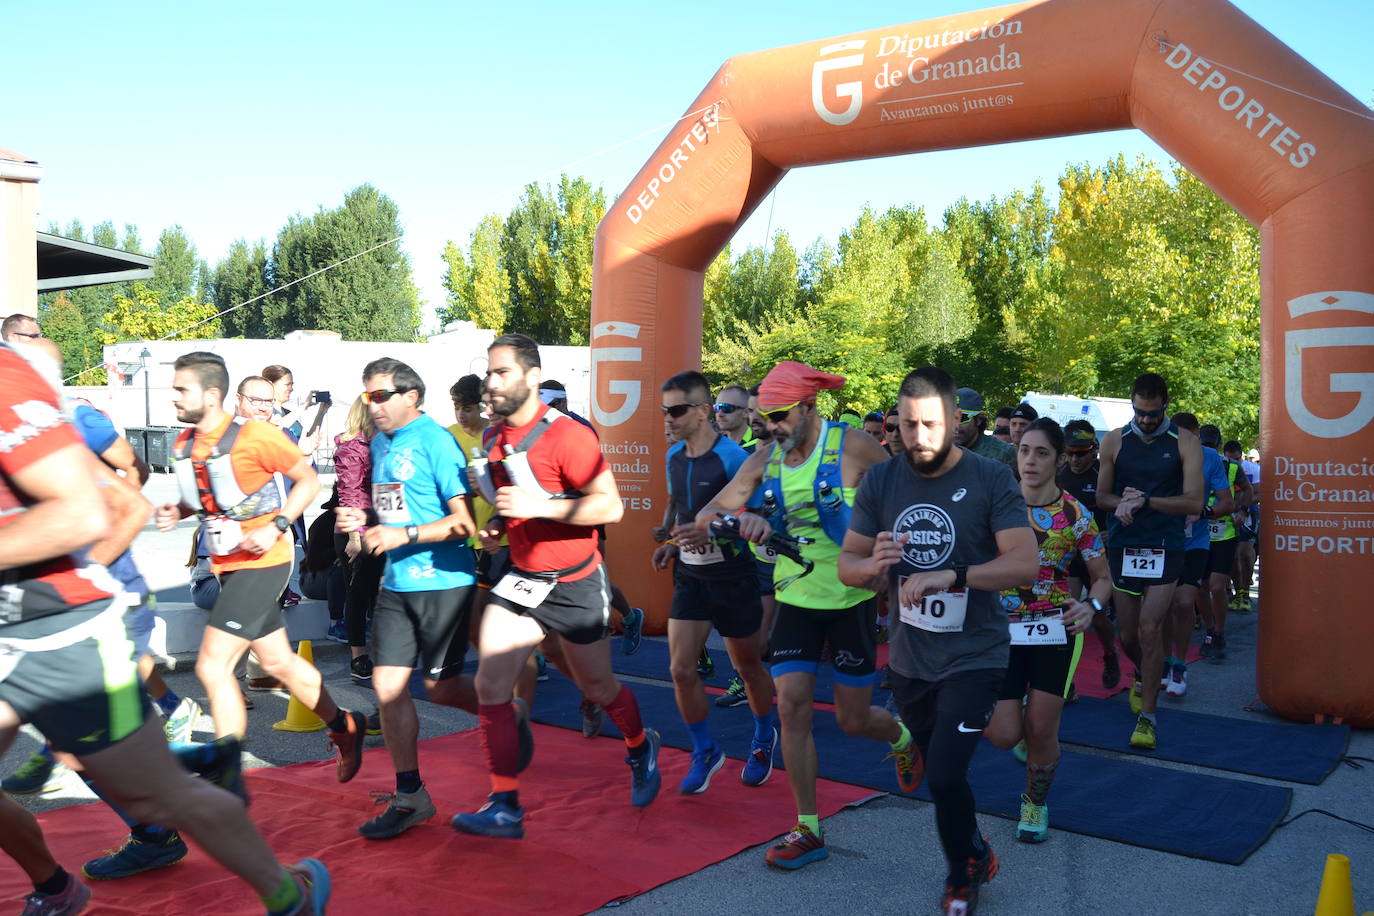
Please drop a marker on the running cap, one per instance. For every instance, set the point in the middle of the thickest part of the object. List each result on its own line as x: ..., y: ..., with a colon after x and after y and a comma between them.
x: 1209, y: 435
x: 550, y: 391
x: 790, y: 382
x: 847, y: 414
x: 1079, y: 436
x: 1253, y: 454
x: 969, y: 401
x: 1024, y: 411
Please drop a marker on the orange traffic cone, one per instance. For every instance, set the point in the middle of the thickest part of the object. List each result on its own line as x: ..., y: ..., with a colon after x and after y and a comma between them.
x: 1337, y: 896
x: 298, y: 717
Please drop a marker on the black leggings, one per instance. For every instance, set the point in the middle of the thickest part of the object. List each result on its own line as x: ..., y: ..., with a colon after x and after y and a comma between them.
x: 364, y: 574
x: 946, y: 719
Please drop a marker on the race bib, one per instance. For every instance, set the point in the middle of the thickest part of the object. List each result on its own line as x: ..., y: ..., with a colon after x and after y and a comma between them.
x: 941, y: 612
x: 389, y: 499
x: 1217, y: 528
x: 1047, y: 630
x: 707, y: 555
x: 765, y: 554
x: 1143, y: 563
x: 522, y: 590
x: 222, y: 536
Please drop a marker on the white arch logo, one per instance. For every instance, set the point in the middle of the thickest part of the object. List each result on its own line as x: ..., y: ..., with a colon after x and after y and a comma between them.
x: 852, y: 90
x: 1295, y: 345
x: 628, y: 388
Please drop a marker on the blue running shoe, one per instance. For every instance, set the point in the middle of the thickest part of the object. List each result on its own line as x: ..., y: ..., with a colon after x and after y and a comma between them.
x: 494, y: 819
x: 704, y: 766
x: 759, y: 765
x: 136, y: 856
x: 541, y: 667
x: 338, y: 632
x: 40, y: 773
x: 634, y: 632
x: 645, y: 779
x: 227, y: 770
x: 314, y: 880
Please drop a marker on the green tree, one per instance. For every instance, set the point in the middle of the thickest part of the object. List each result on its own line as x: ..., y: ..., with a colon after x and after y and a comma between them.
x: 174, y: 266
x: 241, y: 276
x: 477, y: 285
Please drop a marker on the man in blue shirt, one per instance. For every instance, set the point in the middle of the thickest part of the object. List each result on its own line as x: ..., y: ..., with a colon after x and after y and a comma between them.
x: 421, y: 520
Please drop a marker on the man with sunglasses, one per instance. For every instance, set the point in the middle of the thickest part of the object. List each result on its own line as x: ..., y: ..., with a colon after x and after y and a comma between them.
x: 20, y: 328
x: 713, y: 586
x: 731, y: 411
x: 1150, y: 479
x: 808, y: 477
x: 973, y: 424
x: 892, y: 432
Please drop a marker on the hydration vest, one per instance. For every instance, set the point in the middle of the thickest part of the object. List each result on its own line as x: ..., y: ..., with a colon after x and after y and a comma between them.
x: 514, y: 469
x: 225, y: 492
x: 827, y: 488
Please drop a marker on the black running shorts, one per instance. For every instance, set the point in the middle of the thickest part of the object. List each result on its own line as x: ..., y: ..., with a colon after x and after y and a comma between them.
x: 800, y: 634
x: 249, y: 602
x: 732, y: 605
x: 428, y: 627
x: 1136, y: 585
x: 1194, y: 567
x: 1046, y: 668
x: 580, y: 611
x: 1222, y: 556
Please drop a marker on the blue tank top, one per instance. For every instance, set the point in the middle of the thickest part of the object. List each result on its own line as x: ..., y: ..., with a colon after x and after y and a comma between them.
x: 1156, y: 469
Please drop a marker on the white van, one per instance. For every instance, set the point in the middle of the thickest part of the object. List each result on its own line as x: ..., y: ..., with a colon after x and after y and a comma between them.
x: 1104, y: 414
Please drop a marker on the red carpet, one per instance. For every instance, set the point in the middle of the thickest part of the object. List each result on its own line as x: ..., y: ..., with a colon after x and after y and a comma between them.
x: 1088, y: 677
x: 584, y: 846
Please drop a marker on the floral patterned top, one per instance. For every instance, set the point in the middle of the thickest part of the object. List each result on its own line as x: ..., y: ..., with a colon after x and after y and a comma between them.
x: 1063, y: 529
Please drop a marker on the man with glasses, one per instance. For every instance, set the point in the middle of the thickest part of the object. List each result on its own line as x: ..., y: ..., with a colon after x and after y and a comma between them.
x: 732, y: 415
x: 713, y: 586
x: 892, y: 433
x: 1150, y: 479
x: 973, y: 424
x: 808, y: 475
x: 20, y: 328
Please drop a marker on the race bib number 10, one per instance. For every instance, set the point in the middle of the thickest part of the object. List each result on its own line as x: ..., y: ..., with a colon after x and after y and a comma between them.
x: 941, y: 612
x: 1143, y: 563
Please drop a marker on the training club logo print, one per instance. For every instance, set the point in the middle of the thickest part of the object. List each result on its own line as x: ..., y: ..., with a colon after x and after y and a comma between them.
x: 853, y: 90
x: 930, y: 535
x: 1296, y: 343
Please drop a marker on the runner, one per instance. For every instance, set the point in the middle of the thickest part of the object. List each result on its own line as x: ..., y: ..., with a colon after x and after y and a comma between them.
x: 731, y: 411
x: 1001, y: 429
x: 892, y: 426
x: 69, y: 667
x: 1047, y: 622
x: 1022, y: 416
x: 420, y: 520
x: 1247, y: 528
x: 944, y: 530
x: 873, y: 425
x: 1222, y: 528
x: 1078, y: 477
x: 551, y: 487
x: 20, y: 329
x: 227, y: 469
x: 973, y: 423
x: 1151, y: 480
x: 713, y: 586
x: 808, y: 476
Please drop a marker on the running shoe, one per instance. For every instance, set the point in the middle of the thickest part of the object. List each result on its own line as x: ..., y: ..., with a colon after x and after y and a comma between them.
x: 962, y: 899
x: 910, y: 767
x: 1111, y: 671
x: 338, y: 631
x: 1207, y: 644
x: 1021, y: 752
x: 374, y: 723
x: 592, y: 718
x: 348, y: 745
x: 634, y: 632
x: 1143, y: 738
x: 799, y: 848
x: 136, y: 856
x: 313, y: 878
x: 645, y: 778
x: 403, y: 811
x: 1178, y: 681
x: 1135, y: 699
x: 706, y: 666
x: 179, y: 726
x: 758, y: 766
x: 1218, y: 647
x: 1035, y: 822
x: 541, y: 667
x: 733, y: 696
x: 494, y: 819
x: 71, y: 900
x: 40, y: 773
x: 290, y: 599
x: 227, y: 769
x: 526, y: 737
x: 360, y: 669
x: 704, y: 766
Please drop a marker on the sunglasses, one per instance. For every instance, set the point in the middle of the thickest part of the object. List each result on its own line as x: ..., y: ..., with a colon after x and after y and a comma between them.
x: 1001, y: 431
x: 1148, y: 413
x: 382, y: 395
x: 777, y: 416
x: 727, y: 408
x: 890, y: 427
x: 29, y: 336
x: 677, y: 410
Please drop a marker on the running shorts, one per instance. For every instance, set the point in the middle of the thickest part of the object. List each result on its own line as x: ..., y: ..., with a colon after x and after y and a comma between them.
x: 431, y: 627
x: 800, y: 634
x: 732, y: 605
x: 1135, y: 585
x: 249, y: 605
x: 1222, y: 556
x: 1045, y: 668
x: 1194, y: 567
x: 579, y: 611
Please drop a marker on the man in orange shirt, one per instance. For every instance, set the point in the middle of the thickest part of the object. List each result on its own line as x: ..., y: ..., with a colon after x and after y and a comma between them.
x: 229, y: 472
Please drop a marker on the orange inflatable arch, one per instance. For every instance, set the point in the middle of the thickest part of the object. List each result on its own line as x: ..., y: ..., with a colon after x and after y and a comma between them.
x: 1283, y: 144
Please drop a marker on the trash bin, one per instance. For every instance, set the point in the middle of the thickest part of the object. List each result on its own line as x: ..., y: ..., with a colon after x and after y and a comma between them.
x: 137, y: 439
x: 159, y: 441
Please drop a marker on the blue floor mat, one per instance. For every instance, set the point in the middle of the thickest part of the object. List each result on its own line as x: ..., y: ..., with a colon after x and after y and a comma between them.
x: 1187, y: 814
x: 1274, y: 750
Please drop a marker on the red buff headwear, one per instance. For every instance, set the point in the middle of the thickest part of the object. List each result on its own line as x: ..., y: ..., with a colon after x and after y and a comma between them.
x: 790, y: 382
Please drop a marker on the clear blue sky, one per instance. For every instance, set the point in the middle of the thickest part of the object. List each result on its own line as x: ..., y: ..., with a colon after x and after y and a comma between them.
x: 229, y: 119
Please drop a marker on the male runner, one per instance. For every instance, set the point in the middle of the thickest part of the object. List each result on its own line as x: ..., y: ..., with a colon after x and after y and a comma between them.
x: 551, y: 487
x: 1222, y: 556
x: 1247, y: 527
x: 1022, y: 416
x: 973, y: 423
x: 713, y: 586
x: 731, y: 411
x: 20, y: 329
x: 226, y: 470
x: 808, y: 477
x: 68, y: 667
x: 1001, y: 428
x: 1151, y: 480
x: 873, y: 425
x: 945, y: 530
x: 1078, y: 477
x: 757, y: 424
x: 422, y: 524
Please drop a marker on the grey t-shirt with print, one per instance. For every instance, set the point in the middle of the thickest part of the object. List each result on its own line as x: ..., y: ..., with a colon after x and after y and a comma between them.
x: 952, y: 521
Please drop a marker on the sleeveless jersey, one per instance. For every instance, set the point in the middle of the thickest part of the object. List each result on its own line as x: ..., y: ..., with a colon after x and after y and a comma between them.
x: 1156, y: 469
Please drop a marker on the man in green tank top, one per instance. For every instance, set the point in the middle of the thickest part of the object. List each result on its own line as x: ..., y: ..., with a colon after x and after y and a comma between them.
x: 808, y: 470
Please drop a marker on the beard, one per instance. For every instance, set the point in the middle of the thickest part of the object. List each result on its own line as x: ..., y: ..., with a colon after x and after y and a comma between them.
x: 192, y: 415
x: 925, y: 467
x: 512, y: 401
x: 789, y: 441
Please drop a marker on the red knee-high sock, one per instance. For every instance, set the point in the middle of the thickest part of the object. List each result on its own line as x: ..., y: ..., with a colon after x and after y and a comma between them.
x: 501, y: 743
x: 624, y: 712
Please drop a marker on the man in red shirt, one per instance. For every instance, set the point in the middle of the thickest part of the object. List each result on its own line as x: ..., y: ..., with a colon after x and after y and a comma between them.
x: 550, y: 488
x: 67, y: 667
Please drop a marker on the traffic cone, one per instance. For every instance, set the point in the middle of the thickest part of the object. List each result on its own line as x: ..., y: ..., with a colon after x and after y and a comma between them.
x: 1337, y: 896
x: 298, y: 717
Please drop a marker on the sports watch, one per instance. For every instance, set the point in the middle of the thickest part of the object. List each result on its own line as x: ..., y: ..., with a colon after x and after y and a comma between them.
x: 412, y: 534
x: 282, y: 522
x: 960, y: 577
x: 1096, y: 605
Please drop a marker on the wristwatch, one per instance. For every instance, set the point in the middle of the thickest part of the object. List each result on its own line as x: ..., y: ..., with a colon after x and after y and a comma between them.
x: 1096, y: 605
x: 282, y: 522
x: 960, y: 577
x: 412, y: 534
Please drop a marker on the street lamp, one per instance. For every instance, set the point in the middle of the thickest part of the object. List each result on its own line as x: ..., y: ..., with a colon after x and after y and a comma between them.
x: 147, y: 394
